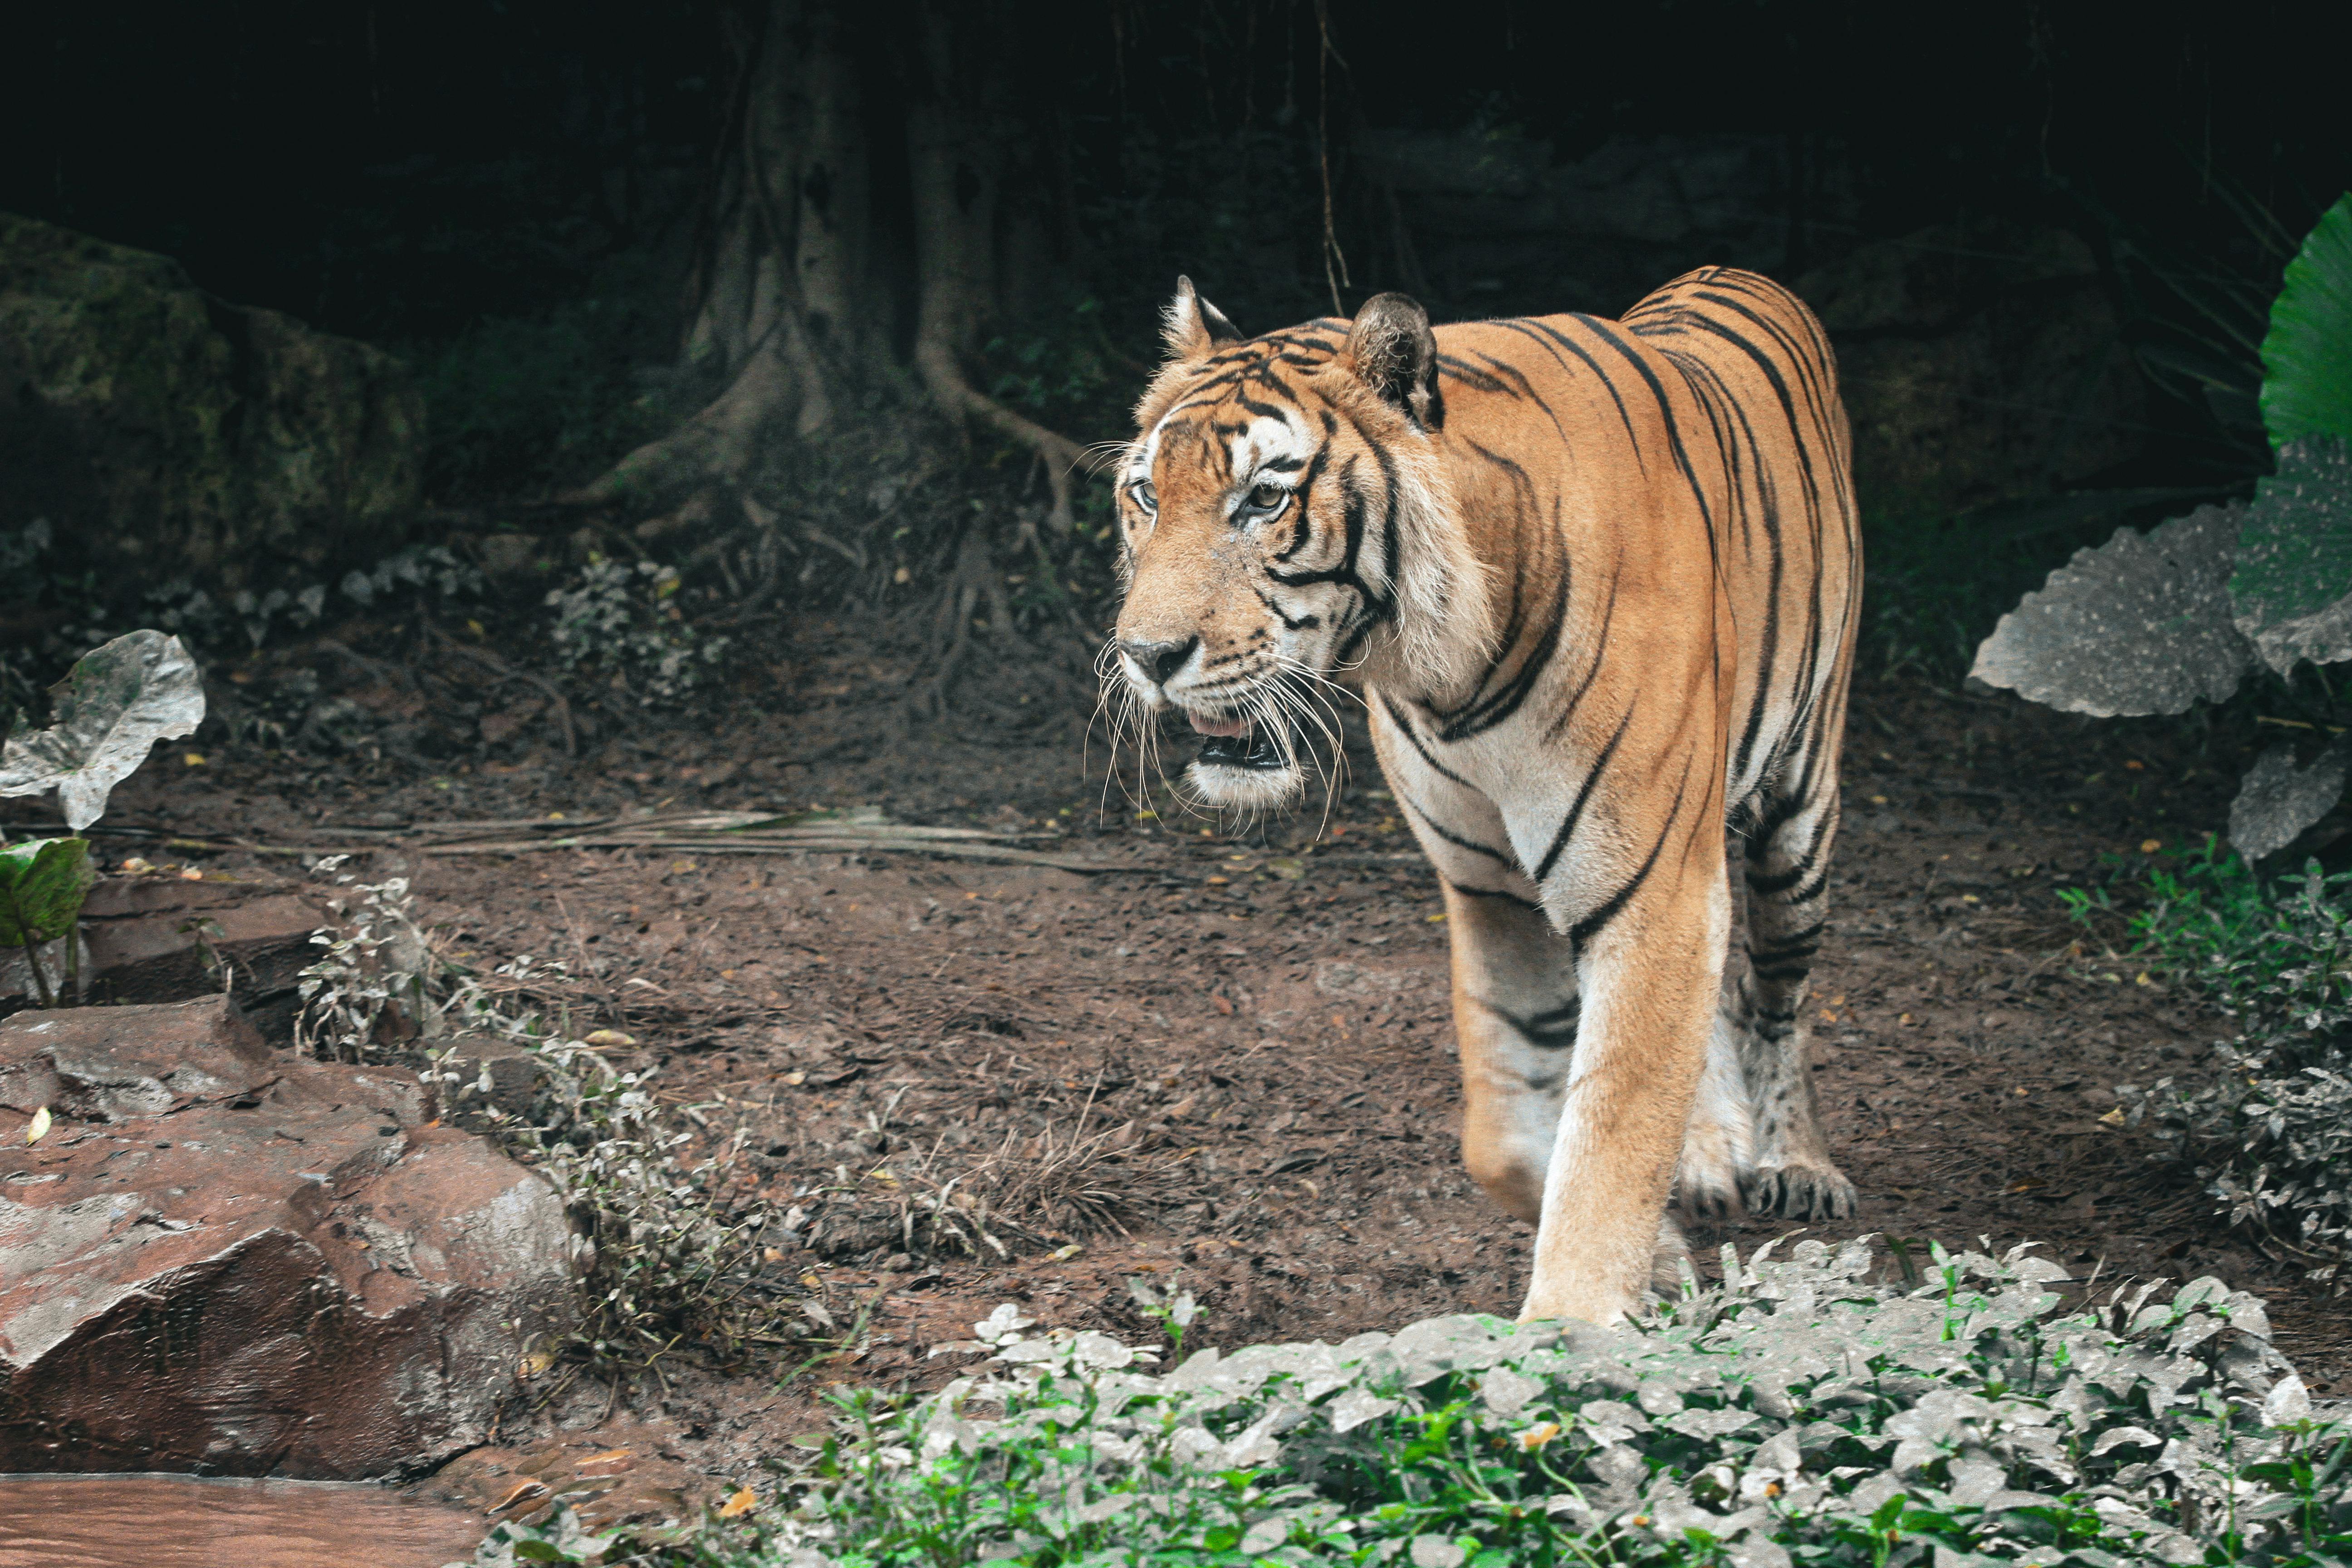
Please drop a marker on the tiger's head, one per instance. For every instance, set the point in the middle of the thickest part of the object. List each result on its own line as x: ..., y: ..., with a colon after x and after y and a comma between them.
x: 1285, y: 516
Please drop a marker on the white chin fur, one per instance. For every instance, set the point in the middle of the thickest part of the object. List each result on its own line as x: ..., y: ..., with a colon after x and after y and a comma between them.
x: 1245, y: 789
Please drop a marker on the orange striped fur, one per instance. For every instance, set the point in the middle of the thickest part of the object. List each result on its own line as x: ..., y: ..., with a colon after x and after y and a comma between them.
x: 1598, y: 579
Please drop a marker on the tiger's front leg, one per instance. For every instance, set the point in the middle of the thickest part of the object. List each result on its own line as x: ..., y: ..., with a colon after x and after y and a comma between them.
x: 1649, y: 978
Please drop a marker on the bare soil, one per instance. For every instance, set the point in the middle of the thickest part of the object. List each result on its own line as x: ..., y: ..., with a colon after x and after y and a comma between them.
x: 1251, y: 1023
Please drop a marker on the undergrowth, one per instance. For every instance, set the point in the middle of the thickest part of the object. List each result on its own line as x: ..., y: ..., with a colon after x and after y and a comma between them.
x: 666, y: 1270
x: 2269, y: 1126
x: 1799, y: 1412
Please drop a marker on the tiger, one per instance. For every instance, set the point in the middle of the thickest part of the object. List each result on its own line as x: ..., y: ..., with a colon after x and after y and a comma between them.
x: 1596, y: 583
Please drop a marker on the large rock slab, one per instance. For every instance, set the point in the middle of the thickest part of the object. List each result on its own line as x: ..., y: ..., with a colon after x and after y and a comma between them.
x: 162, y: 431
x: 221, y: 1257
x: 158, y: 937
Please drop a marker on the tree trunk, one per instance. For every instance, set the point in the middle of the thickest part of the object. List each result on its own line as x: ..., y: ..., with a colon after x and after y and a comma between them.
x: 783, y: 307
x: 956, y: 141
x: 787, y: 306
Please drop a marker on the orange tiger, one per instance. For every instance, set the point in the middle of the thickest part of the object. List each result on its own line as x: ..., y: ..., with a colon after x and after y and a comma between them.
x: 1599, y: 582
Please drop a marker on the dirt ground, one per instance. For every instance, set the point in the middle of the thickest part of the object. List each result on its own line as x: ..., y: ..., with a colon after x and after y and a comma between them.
x: 1228, y: 1060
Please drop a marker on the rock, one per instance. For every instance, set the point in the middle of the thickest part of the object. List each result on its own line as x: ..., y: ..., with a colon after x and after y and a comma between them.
x: 493, y: 1073
x: 1980, y: 362
x: 162, y: 431
x: 622, y: 1472
x: 157, y: 938
x: 226, y: 1258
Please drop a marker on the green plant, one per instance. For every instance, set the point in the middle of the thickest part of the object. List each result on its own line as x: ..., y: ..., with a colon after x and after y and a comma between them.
x: 2269, y: 1129
x: 625, y: 624
x: 111, y: 708
x: 43, y: 882
x: 115, y: 703
x: 666, y: 1270
x: 1801, y: 1411
x: 2154, y: 623
x: 2207, y: 920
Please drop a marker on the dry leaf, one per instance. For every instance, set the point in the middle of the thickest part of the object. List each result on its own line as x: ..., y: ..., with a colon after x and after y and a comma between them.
x: 610, y: 1038
x: 1064, y: 1254
x: 523, y: 1491
x: 40, y: 1127
x: 534, y: 1364
x: 741, y: 1504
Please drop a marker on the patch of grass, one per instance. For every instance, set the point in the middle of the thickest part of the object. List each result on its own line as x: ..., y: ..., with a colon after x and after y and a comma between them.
x: 1799, y: 1411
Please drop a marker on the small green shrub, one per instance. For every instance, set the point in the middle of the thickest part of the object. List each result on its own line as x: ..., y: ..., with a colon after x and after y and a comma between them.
x: 1799, y: 1411
x: 622, y: 624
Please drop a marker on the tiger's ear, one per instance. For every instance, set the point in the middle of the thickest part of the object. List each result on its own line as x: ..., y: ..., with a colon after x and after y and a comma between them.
x: 1392, y: 351
x: 1193, y: 326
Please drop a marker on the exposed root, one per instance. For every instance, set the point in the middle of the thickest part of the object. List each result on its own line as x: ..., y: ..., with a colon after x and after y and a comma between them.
x: 718, y: 444
x: 954, y: 390
x: 975, y: 581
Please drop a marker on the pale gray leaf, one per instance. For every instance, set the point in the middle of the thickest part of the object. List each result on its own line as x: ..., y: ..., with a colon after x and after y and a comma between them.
x: 1435, y: 1551
x: 2279, y: 800
x: 2141, y: 624
x: 116, y: 703
x: 2288, y: 1402
x: 2292, y: 583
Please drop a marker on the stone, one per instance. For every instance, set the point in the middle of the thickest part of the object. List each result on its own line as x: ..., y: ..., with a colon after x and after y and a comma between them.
x: 157, y: 938
x: 1980, y: 362
x: 622, y: 1472
x: 162, y: 431
x: 226, y: 1258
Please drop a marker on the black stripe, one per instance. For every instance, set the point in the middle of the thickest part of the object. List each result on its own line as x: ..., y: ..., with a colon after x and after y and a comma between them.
x: 1584, y: 794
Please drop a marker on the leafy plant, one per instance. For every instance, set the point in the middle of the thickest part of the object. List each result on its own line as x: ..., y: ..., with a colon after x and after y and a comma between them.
x: 115, y: 703
x: 2269, y: 1129
x: 43, y: 882
x: 2152, y: 623
x: 625, y: 624
x: 111, y: 708
x: 1802, y: 1410
x: 664, y: 1268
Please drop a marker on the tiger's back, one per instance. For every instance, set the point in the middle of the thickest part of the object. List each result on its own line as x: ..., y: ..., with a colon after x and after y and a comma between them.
x: 1717, y: 394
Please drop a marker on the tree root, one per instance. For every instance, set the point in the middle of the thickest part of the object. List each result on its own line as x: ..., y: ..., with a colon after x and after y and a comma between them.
x: 954, y: 393
x: 975, y: 580
x: 720, y: 443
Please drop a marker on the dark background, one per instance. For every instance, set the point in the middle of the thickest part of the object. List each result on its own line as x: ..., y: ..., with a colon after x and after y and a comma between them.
x: 397, y: 172
x: 519, y: 198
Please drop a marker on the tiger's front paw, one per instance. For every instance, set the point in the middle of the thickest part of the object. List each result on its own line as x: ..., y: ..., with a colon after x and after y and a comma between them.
x: 1799, y: 1190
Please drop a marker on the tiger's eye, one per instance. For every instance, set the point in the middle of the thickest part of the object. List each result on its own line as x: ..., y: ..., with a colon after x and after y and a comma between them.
x: 1145, y: 496
x: 1268, y: 496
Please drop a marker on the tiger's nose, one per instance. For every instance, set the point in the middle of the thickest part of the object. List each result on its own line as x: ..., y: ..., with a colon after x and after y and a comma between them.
x: 1160, y: 661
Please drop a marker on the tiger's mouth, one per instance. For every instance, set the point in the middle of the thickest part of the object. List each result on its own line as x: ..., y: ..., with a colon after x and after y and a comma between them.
x: 1233, y: 742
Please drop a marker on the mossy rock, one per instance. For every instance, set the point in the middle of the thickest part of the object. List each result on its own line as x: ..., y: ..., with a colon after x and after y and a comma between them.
x: 165, y: 432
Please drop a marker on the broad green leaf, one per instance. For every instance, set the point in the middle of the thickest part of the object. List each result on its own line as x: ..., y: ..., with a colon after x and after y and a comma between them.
x: 116, y: 703
x: 2308, y: 354
x: 2140, y: 625
x: 42, y: 884
x: 2292, y: 591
